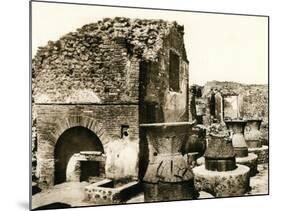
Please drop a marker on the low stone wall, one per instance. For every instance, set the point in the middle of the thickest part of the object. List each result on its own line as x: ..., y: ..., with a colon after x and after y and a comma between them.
x: 105, y: 192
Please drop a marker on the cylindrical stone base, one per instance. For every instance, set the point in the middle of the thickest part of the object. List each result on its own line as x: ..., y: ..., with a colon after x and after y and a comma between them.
x: 164, y: 191
x: 251, y: 161
x: 261, y: 152
x: 222, y: 184
x: 226, y: 164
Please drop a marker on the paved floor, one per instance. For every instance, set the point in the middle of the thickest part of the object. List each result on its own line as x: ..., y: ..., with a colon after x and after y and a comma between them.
x: 259, y: 183
x: 73, y: 193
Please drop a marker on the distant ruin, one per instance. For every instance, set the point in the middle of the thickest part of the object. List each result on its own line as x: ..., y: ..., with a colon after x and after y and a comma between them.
x: 251, y: 102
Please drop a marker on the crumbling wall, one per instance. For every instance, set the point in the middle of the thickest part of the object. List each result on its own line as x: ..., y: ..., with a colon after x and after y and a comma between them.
x: 104, y: 120
x: 97, y: 63
x: 158, y: 98
x: 252, y: 100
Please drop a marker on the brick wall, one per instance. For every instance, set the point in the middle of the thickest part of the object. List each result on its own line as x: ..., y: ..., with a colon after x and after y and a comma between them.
x: 104, y: 120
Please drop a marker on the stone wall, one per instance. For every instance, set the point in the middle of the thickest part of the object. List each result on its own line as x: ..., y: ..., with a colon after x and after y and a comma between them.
x: 157, y: 96
x: 252, y: 100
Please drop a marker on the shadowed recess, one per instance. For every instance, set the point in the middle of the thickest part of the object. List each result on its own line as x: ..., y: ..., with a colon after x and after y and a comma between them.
x: 73, y: 140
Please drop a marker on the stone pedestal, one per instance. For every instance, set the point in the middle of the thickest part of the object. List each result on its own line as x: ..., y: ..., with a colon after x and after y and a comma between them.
x: 240, y: 145
x: 252, y: 137
x: 238, y: 139
x: 167, y: 167
x: 252, y: 133
x: 222, y: 184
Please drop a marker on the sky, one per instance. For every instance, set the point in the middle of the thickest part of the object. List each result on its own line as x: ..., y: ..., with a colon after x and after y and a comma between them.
x: 219, y: 47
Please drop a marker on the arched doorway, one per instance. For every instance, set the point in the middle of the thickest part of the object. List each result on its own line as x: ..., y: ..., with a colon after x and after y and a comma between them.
x: 71, y: 141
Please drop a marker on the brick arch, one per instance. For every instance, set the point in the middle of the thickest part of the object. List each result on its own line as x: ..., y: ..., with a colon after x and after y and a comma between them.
x: 79, y: 120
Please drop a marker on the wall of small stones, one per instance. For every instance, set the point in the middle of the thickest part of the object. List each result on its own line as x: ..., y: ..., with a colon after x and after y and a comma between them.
x: 98, y: 62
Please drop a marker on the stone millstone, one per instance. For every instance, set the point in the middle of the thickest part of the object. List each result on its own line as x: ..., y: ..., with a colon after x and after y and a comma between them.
x: 220, y: 155
x: 222, y: 184
x: 170, y: 169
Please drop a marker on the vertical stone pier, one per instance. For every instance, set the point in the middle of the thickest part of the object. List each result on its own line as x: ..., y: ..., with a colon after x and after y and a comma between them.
x: 168, y: 175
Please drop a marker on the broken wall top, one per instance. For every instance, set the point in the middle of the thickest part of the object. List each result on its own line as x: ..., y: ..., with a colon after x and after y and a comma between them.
x: 99, y: 62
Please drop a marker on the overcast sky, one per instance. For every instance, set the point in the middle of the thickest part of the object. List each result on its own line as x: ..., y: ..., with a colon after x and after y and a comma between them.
x: 219, y: 47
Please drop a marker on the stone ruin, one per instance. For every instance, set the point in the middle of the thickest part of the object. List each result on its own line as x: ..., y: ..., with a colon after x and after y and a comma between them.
x: 113, y: 97
x: 93, y: 89
x: 214, y: 102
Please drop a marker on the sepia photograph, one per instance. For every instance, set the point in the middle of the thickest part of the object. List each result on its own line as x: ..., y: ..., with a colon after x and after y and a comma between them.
x: 135, y: 105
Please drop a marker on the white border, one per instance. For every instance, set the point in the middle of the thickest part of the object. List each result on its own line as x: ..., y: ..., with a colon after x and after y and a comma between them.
x: 15, y: 103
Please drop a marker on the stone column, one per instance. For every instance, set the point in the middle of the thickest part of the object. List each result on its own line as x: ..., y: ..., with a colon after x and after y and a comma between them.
x: 167, y: 168
x: 238, y: 140
x: 240, y: 146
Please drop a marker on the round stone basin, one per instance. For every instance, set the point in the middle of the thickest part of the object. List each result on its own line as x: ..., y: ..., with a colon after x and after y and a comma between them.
x: 168, y: 137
